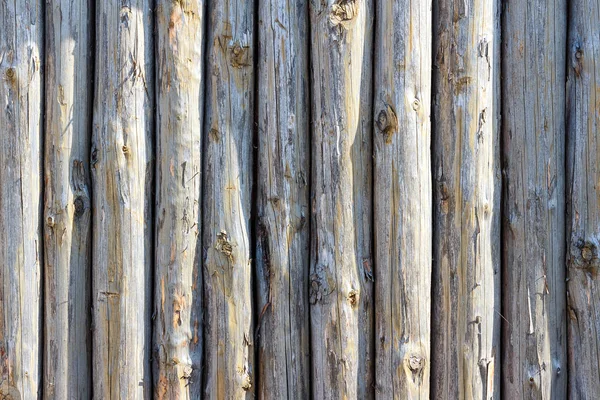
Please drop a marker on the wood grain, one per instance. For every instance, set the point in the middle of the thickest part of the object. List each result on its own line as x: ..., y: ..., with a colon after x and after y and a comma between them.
x: 67, y: 201
x: 122, y: 167
x: 282, y: 202
x: 402, y: 199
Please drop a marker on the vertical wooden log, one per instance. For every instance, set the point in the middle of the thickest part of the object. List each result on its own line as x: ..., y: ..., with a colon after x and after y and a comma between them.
x: 21, y: 79
x: 402, y: 199
x: 229, y: 336
x: 341, y: 293
x: 122, y: 172
x: 533, y: 98
x: 282, y: 254
x: 467, y: 186
x: 178, y: 277
x: 583, y: 198
x: 67, y: 231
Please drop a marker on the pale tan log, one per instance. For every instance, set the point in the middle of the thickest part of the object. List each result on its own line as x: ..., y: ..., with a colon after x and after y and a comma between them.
x: 229, y: 331
x: 67, y: 203
x: 402, y: 199
x: 177, y: 354
x: 282, y: 253
x: 533, y: 136
x: 122, y: 171
x: 21, y: 101
x: 583, y: 199
x: 465, y: 360
x: 341, y: 289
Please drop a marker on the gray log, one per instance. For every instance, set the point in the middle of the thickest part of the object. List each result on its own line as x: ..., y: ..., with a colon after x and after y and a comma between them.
x: 67, y: 208
x: 402, y: 199
x: 178, y: 276
x: 226, y: 238
x: 467, y: 185
x: 341, y: 272
x: 21, y: 85
x: 583, y: 199
x: 282, y: 248
x: 533, y: 98
x: 122, y: 171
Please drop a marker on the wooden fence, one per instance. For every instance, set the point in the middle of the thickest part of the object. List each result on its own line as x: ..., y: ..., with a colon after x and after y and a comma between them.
x: 326, y: 199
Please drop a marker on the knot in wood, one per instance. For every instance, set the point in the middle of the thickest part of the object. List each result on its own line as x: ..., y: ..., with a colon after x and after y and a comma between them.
x: 353, y: 298
x: 79, y: 206
x: 387, y: 122
x: 416, y: 363
x: 240, y: 56
x: 224, y: 245
x: 343, y: 11
x: 11, y: 74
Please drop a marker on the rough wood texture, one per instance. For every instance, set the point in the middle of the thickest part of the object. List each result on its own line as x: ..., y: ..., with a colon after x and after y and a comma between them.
x: 122, y: 171
x: 67, y: 208
x: 583, y: 198
x: 226, y: 238
x: 21, y: 101
x: 465, y: 360
x: 282, y: 253
x: 341, y: 293
x: 402, y: 199
x: 533, y: 99
x: 178, y: 276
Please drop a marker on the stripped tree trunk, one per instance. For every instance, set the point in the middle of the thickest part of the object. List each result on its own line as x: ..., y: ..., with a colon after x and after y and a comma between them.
x: 533, y: 95
x: 466, y: 173
x: 122, y: 171
x: 583, y: 198
x: 402, y: 198
x: 178, y: 278
x: 229, y: 336
x: 341, y: 293
x: 67, y: 235
x: 282, y: 254
x: 21, y: 80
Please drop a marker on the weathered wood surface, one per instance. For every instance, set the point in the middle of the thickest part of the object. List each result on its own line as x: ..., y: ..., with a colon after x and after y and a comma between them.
x: 283, y: 210
x: 533, y: 140
x: 67, y: 203
x: 466, y: 172
x: 21, y: 94
x: 402, y: 199
x: 177, y: 354
x: 340, y: 292
x: 583, y: 199
x: 226, y: 239
x: 122, y: 171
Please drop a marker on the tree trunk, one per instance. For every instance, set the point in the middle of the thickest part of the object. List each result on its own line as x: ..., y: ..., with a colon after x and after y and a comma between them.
x: 122, y: 171
x: 583, y: 198
x: 402, y: 198
x: 178, y: 275
x: 466, y: 171
x: 533, y: 93
x: 67, y: 235
x: 282, y: 253
x: 341, y: 293
x: 229, y: 336
x: 21, y: 80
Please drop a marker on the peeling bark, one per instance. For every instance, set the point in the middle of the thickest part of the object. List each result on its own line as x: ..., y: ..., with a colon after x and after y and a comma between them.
x: 122, y: 171
x: 282, y: 248
x: 67, y: 207
x: 402, y: 199
x: 466, y: 172
x: 340, y: 283
x: 227, y: 267
x: 583, y: 198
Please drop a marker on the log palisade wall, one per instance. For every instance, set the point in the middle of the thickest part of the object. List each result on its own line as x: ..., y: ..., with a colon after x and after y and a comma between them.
x: 324, y: 199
